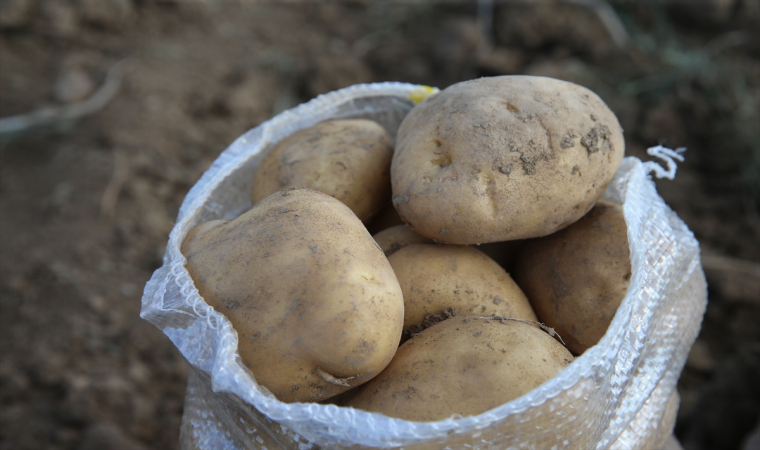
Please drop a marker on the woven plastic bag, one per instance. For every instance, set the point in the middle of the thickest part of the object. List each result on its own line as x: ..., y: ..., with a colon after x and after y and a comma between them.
x: 620, y: 394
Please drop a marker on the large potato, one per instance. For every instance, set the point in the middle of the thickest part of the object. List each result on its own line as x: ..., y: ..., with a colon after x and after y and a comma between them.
x: 316, y: 305
x: 576, y: 278
x: 347, y: 159
x: 435, y: 278
x: 503, y: 158
x: 465, y: 366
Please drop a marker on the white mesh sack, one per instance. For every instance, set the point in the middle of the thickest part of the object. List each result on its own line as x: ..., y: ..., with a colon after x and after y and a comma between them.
x: 620, y: 394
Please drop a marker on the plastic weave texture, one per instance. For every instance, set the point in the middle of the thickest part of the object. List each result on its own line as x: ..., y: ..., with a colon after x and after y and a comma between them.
x: 620, y: 394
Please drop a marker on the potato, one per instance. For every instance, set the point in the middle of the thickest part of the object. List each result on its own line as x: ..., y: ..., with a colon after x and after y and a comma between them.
x: 435, y: 278
x: 503, y: 158
x: 576, y: 278
x: 347, y: 159
x: 462, y: 365
x: 395, y: 238
x: 316, y: 305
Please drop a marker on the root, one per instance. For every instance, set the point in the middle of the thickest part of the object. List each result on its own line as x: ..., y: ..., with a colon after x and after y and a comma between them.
x: 548, y: 329
x: 63, y: 114
x: 332, y: 379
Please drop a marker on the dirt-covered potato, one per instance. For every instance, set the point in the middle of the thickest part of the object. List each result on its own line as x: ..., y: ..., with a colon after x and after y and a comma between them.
x: 395, y: 238
x: 435, y: 278
x: 503, y: 158
x: 576, y: 278
x: 462, y: 365
x: 316, y: 305
x: 347, y: 159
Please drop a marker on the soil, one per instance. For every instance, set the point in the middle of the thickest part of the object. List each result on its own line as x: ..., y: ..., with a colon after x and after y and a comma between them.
x: 86, y: 205
x: 430, y: 320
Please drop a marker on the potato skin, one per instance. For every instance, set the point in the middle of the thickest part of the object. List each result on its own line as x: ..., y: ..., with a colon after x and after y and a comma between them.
x: 465, y: 366
x: 503, y: 158
x: 347, y: 159
x: 577, y: 278
x: 395, y: 238
x: 307, y: 290
x: 434, y: 278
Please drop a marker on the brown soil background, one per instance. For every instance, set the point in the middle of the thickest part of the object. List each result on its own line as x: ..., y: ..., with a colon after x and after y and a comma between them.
x: 86, y: 206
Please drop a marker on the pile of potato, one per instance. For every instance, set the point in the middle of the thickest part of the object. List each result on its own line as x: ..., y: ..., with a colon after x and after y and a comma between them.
x: 488, y: 177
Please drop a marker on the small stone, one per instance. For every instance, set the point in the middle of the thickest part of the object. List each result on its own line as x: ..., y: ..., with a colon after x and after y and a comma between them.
x: 73, y: 84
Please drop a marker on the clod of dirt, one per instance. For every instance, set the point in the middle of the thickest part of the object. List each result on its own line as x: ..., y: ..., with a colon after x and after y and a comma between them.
x: 568, y: 139
x: 430, y: 320
x: 598, y: 138
x: 529, y: 164
x: 506, y: 170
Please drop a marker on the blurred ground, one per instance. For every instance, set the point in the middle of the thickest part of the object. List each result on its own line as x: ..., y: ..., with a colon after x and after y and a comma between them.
x: 86, y: 205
